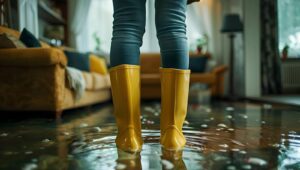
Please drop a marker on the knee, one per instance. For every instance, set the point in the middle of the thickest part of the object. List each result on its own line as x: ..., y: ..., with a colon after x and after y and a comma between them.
x: 170, y: 23
x: 129, y: 25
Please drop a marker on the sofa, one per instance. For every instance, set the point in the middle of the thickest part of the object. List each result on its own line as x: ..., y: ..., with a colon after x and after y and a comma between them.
x: 150, y: 78
x: 34, y: 79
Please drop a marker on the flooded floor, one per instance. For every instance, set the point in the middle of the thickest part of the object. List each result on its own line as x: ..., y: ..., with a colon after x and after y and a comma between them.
x: 222, y: 136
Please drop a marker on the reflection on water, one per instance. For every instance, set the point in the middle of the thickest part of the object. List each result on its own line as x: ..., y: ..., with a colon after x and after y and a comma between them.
x: 242, y: 136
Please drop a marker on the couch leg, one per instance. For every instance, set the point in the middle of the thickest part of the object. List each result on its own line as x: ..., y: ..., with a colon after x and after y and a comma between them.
x: 58, y: 114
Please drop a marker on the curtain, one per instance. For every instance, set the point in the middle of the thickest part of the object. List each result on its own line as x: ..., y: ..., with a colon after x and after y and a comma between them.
x: 99, y: 23
x: 5, y: 13
x: 78, y: 13
x: 204, y: 18
x: 270, y: 59
x: 28, y: 16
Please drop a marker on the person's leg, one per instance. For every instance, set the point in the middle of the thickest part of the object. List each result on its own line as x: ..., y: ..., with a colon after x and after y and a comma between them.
x: 170, y: 18
x: 171, y: 33
x: 128, y: 30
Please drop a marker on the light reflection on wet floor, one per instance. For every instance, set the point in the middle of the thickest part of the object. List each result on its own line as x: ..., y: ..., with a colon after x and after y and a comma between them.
x: 242, y: 136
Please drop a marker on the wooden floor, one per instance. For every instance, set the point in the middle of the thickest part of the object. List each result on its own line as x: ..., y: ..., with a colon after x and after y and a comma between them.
x: 222, y: 135
x: 292, y: 100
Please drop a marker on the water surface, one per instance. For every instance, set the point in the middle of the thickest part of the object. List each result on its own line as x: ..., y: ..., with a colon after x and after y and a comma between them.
x: 221, y: 136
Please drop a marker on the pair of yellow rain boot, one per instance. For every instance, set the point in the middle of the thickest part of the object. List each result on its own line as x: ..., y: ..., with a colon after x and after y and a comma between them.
x: 125, y: 82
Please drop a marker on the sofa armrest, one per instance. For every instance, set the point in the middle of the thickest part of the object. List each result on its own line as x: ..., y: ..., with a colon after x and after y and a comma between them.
x: 220, y: 69
x: 218, y: 88
x: 32, y: 79
x: 31, y: 57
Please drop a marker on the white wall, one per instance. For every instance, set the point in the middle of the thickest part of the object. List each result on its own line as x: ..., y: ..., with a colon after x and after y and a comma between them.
x: 236, y: 7
x: 252, y: 48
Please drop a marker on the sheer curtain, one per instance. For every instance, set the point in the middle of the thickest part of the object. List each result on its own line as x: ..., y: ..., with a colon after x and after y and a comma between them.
x: 28, y: 16
x: 99, y: 23
x: 202, y: 19
x: 100, y: 19
x: 78, y: 24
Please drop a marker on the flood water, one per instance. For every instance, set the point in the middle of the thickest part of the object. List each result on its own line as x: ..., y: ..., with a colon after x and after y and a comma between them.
x: 222, y: 136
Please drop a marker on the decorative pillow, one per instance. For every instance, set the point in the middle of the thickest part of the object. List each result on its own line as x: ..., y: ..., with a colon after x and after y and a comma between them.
x: 78, y: 60
x: 9, y: 41
x: 97, y: 64
x: 44, y: 44
x: 198, y: 64
x: 29, y: 39
x: 191, y: 1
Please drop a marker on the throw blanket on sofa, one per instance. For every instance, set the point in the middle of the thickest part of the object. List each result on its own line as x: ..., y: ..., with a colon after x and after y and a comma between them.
x: 76, y: 82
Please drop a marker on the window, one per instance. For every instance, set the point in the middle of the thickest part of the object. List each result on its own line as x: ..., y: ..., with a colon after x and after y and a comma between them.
x: 100, y: 20
x: 100, y: 25
x: 289, y: 27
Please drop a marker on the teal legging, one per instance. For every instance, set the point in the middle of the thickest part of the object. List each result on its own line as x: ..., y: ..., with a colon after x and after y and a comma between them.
x: 129, y: 28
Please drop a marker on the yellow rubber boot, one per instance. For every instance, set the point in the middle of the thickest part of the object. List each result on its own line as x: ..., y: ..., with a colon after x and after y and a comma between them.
x: 125, y: 85
x: 174, y: 100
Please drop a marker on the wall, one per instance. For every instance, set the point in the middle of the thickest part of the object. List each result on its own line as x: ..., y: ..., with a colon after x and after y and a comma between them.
x: 252, y: 48
x: 247, y: 81
x: 235, y: 6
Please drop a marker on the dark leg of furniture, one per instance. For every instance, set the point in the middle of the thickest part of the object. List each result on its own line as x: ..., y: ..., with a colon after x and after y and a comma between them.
x: 58, y: 114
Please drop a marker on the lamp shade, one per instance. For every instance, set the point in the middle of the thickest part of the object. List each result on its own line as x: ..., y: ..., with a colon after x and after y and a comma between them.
x: 232, y: 23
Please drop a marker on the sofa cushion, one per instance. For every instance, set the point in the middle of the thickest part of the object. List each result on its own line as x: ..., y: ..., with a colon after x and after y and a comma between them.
x: 100, y: 81
x: 150, y: 63
x: 9, y: 31
x: 97, y: 65
x: 154, y: 79
x: 78, y: 60
x: 89, y: 98
x: 208, y: 78
x: 95, y: 81
x: 9, y: 41
x: 45, y: 45
x: 29, y: 39
x: 150, y: 79
x: 88, y: 78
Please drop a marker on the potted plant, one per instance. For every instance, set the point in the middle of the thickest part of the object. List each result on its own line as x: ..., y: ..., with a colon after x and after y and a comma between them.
x: 201, y: 42
x: 97, y: 41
